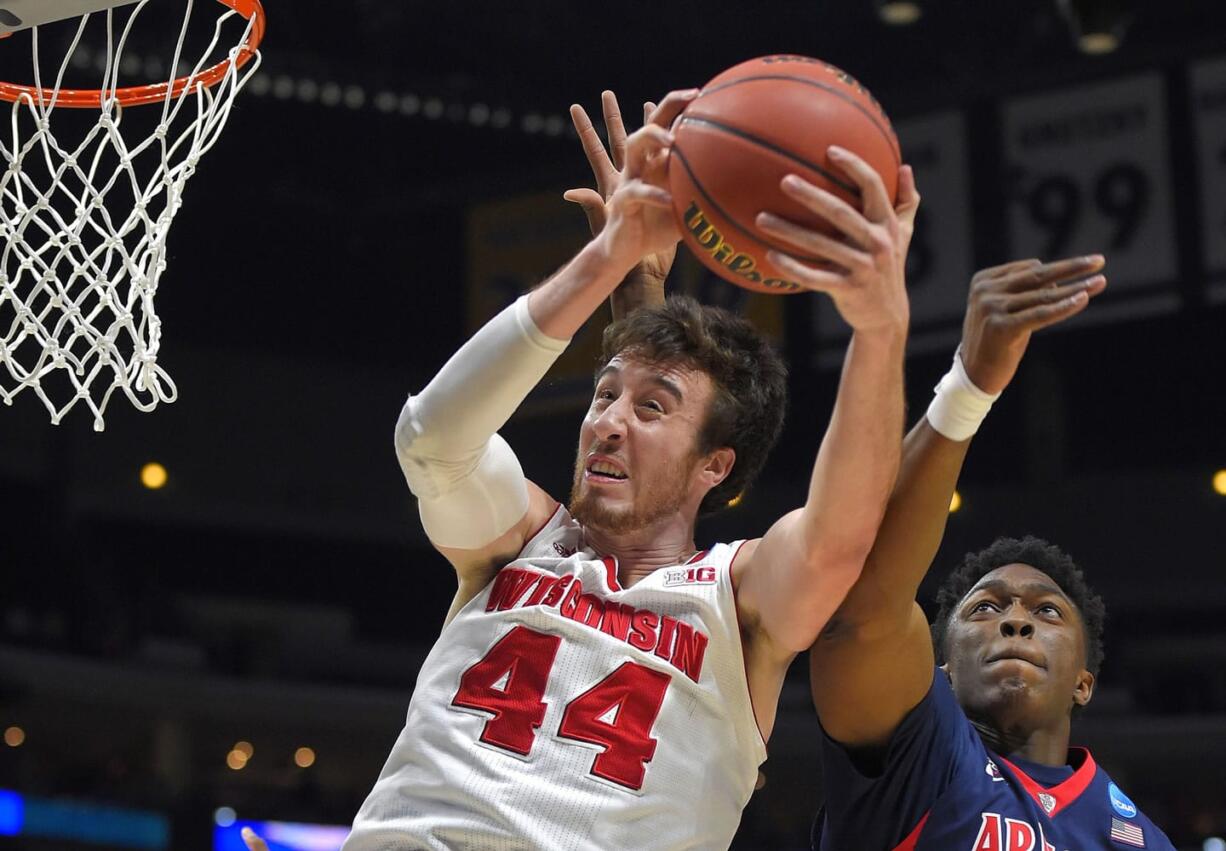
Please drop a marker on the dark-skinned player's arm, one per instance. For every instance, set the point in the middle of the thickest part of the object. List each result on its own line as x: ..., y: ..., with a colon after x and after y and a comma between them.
x: 793, y: 578
x: 873, y: 662
x: 476, y: 506
x: 644, y: 286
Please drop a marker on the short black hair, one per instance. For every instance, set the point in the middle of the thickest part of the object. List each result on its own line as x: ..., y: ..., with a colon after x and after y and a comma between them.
x: 750, y: 379
x: 1041, y: 555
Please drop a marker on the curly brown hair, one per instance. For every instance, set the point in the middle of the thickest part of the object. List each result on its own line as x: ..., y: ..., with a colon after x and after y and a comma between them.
x: 750, y: 379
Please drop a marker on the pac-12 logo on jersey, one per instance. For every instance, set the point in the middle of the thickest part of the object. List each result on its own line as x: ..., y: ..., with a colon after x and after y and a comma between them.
x: 689, y: 576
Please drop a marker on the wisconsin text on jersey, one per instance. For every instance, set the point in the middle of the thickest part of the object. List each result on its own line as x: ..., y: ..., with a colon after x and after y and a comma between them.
x: 670, y: 639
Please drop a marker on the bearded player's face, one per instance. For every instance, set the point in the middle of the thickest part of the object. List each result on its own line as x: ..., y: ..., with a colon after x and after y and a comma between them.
x: 638, y: 460
x: 1016, y: 651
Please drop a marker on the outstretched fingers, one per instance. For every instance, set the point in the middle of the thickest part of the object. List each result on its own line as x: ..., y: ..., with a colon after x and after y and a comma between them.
x: 1044, y: 315
x: 615, y: 127
x: 817, y: 280
x: 874, y: 200
x: 811, y: 243
x: 1022, y: 302
x: 845, y: 218
x: 594, y: 150
x: 1045, y: 275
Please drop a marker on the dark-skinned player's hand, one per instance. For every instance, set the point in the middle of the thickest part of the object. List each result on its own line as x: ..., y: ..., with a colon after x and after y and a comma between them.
x: 607, y: 166
x: 1009, y: 303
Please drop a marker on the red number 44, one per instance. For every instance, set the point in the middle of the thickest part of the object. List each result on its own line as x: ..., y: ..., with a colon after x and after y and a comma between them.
x: 616, y: 714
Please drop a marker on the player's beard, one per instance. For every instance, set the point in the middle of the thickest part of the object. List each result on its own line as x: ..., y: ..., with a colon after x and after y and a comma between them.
x: 662, y: 495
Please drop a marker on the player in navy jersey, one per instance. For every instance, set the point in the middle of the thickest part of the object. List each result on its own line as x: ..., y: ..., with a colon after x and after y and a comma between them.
x: 972, y: 755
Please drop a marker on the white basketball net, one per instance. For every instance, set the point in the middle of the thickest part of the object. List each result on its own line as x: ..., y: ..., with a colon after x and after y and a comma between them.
x: 84, y: 227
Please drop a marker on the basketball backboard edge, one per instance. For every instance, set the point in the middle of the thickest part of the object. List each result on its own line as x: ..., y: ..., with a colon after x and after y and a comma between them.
x: 22, y: 14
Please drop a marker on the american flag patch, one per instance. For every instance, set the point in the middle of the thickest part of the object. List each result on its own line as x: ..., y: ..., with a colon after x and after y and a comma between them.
x: 1126, y: 833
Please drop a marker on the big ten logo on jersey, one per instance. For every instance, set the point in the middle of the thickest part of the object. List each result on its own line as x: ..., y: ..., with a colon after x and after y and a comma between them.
x: 689, y: 576
x: 998, y: 833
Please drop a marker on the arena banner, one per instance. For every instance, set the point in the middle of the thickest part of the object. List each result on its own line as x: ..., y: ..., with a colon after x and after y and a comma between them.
x: 1087, y: 171
x: 1209, y: 114
x: 513, y: 244
x: 941, y: 259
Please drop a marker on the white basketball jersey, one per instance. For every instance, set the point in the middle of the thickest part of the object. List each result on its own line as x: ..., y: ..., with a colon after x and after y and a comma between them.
x: 561, y: 711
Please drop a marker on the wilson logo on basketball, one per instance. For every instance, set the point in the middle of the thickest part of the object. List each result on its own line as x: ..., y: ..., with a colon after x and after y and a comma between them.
x: 739, y: 263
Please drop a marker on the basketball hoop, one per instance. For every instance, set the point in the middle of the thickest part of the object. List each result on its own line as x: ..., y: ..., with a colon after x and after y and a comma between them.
x: 84, y: 221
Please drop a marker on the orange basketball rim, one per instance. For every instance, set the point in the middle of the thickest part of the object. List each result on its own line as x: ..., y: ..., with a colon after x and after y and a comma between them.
x: 252, y: 10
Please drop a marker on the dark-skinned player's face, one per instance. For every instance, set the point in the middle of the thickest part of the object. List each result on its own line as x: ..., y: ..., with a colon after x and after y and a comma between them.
x: 1016, y: 651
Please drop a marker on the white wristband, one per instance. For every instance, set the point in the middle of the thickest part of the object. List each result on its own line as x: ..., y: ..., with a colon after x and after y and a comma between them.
x: 959, y: 406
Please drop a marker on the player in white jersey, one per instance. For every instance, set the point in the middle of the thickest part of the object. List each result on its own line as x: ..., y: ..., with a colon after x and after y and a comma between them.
x: 599, y: 682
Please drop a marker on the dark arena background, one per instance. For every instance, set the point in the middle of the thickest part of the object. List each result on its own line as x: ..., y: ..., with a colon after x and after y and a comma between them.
x: 241, y: 641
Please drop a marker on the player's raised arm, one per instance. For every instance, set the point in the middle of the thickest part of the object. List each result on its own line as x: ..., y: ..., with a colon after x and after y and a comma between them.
x: 475, y: 503
x: 873, y: 662
x: 797, y: 574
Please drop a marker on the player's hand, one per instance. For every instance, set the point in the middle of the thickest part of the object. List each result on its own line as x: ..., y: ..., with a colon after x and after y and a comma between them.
x: 607, y: 166
x: 1009, y: 303
x: 639, y: 215
x: 863, y: 267
x: 252, y: 841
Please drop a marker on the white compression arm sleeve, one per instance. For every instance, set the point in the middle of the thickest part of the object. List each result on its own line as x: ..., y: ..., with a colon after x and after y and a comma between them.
x: 468, y: 482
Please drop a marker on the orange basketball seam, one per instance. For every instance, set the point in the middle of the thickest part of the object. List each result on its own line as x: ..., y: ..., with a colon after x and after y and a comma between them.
x: 749, y: 137
x: 676, y: 152
x: 891, y: 137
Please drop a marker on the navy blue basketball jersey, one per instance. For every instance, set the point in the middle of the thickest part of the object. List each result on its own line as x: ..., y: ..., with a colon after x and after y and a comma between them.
x: 940, y: 789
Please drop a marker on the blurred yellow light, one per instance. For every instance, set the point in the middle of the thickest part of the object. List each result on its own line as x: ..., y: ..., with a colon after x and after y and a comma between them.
x: 14, y: 737
x: 900, y: 13
x: 236, y: 760
x: 1219, y: 482
x: 955, y: 502
x: 736, y: 500
x: 245, y: 748
x: 304, y: 757
x: 1097, y: 44
x: 153, y: 475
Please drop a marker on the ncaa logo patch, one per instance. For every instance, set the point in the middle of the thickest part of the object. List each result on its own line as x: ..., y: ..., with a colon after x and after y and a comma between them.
x: 1048, y: 802
x: 1120, y: 802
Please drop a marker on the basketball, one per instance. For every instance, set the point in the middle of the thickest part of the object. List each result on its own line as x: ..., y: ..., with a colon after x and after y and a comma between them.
x: 748, y: 128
